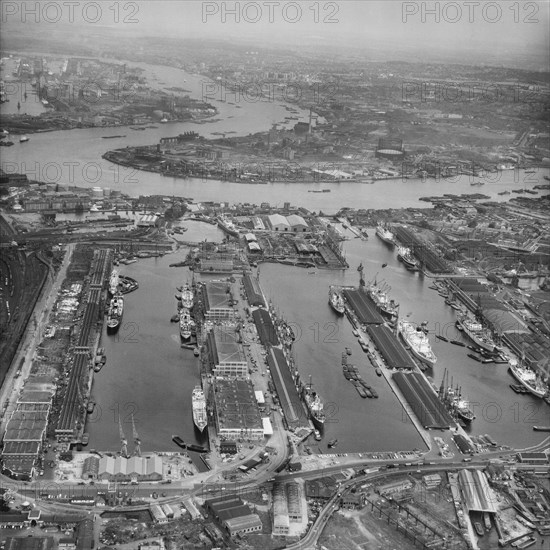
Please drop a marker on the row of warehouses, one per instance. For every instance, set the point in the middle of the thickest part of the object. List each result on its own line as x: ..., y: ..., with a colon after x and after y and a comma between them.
x: 237, y: 407
x: 415, y: 389
x: 387, y: 343
x: 237, y: 412
x: 26, y: 430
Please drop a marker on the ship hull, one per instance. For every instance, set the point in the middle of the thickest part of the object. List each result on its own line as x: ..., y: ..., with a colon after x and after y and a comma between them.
x: 430, y: 361
x: 534, y: 391
x: 488, y: 346
x: 388, y: 240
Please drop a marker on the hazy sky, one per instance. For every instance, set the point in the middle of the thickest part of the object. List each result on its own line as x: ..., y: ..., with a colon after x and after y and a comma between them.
x: 500, y: 28
x: 495, y: 26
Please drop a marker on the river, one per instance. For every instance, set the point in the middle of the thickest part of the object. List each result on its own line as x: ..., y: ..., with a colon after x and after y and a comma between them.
x: 150, y: 378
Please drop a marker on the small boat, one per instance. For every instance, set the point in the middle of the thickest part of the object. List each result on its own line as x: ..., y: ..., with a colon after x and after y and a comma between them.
x: 384, y: 265
x: 378, y: 372
x: 178, y: 441
x: 85, y: 438
x: 317, y: 435
x: 458, y: 343
x: 442, y: 338
x: 23, y: 139
x: 196, y: 352
x: 332, y: 443
x: 474, y: 357
x: 90, y: 408
x: 487, y: 521
x: 348, y: 351
x: 479, y: 529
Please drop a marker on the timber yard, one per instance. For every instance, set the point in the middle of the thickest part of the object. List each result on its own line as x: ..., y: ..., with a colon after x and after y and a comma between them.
x: 315, y: 320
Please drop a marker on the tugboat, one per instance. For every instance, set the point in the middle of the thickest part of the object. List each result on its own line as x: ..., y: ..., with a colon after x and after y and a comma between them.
x: 336, y: 301
x: 317, y: 435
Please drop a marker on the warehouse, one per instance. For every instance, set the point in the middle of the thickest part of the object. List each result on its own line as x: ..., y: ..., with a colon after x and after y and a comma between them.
x: 217, y: 305
x: 253, y: 291
x: 265, y: 327
x: 237, y: 413
x: 130, y: 469
x: 228, y: 358
x: 297, y: 223
x: 278, y: 222
x: 235, y: 516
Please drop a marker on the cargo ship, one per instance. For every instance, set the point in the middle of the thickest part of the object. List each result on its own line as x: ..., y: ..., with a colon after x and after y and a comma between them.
x: 385, y: 305
x: 452, y: 398
x: 385, y: 234
x: 336, y: 301
x: 186, y: 325
x: 199, y: 408
x: 475, y: 331
x: 405, y: 255
x: 314, y: 405
x: 227, y: 225
x: 114, y: 315
x: 418, y: 342
x: 113, y: 282
x: 187, y: 297
x: 528, y: 379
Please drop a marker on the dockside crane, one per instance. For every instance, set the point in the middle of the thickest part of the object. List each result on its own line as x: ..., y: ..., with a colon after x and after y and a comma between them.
x: 137, y: 441
x: 123, y: 442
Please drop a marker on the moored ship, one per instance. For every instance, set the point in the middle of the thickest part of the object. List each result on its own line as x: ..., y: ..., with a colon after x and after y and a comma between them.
x: 418, y: 342
x: 314, y: 405
x: 187, y: 297
x: 186, y: 325
x: 199, y: 408
x: 385, y: 305
x: 475, y: 331
x: 113, y: 282
x: 385, y: 234
x: 528, y: 379
x: 405, y: 255
x: 114, y: 315
x: 227, y: 225
x: 336, y: 301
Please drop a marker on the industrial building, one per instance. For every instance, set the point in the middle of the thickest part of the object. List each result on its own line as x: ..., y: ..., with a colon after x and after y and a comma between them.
x: 287, y: 507
x: 119, y: 469
x: 265, y: 327
x: 297, y: 223
x: 26, y: 430
x: 237, y: 413
x: 253, y: 291
x: 394, y: 487
x: 477, y: 495
x: 227, y: 355
x: 218, y: 303
x: 235, y: 516
x: 391, y: 149
x: 294, y: 412
x: 277, y: 222
x: 423, y: 401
